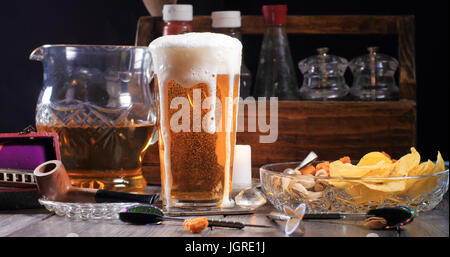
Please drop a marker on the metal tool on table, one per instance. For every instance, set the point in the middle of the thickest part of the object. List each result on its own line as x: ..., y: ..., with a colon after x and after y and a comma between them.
x: 395, y: 216
x: 293, y: 218
x: 207, y: 211
x: 149, y: 214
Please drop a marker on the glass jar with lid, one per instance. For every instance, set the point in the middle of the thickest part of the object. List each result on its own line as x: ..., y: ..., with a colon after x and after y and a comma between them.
x: 373, y: 76
x: 323, y: 77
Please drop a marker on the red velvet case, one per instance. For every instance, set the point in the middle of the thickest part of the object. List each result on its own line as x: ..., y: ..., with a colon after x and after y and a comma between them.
x: 20, y: 154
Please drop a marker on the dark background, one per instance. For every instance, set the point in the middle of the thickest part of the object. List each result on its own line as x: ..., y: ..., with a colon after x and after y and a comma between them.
x: 25, y: 25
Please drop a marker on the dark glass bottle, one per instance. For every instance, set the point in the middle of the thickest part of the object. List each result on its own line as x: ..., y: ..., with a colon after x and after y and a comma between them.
x: 276, y: 76
x: 229, y: 23
x: 177, y: 19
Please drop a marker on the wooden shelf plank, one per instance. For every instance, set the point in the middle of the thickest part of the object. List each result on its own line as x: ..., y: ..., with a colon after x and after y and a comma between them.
x: 331, y: 129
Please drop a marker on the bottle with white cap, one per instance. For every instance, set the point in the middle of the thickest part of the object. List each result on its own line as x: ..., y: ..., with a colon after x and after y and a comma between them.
x: 177, y: 19
x: 229, y: 23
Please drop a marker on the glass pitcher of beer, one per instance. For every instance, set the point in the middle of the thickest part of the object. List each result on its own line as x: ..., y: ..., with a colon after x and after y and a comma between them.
x: 98, y: 100
x: 197, y: 75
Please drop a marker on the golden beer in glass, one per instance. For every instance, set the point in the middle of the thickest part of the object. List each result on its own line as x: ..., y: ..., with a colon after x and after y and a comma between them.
x: 197, y: 77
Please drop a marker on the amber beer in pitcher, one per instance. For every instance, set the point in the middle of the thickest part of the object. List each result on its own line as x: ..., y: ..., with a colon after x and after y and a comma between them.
x: 197, y: 76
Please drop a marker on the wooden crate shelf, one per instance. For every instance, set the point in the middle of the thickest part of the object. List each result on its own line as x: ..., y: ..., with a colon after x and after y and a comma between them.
x: 331, y: 129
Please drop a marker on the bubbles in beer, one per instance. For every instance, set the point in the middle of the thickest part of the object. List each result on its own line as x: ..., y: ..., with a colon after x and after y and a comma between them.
x: 196, y: 166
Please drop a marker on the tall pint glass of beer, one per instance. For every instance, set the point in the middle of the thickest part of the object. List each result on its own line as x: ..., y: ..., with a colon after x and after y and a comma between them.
x: 197, y: 76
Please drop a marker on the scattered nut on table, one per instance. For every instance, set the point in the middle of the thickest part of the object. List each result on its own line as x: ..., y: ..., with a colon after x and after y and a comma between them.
x: 375, y: 223
x: 196, y: 225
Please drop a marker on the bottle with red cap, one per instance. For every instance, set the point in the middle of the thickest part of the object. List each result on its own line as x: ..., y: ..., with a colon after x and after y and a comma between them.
x: 177, y: 19
x: 276, y: 75
x: 229, y: 23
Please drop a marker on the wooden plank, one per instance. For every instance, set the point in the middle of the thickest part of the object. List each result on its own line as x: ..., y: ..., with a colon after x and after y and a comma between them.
x: 41, y: 223
x: 326, y: 24
x: 148, y: 29
x: 433, y: 223
x: 406, y: 57
x: 331, y: 129
x: 11, y: 221
x: 151, y: 27
x: 61, y: 227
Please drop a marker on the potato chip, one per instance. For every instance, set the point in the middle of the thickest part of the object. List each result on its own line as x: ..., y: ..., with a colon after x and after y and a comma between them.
x: 424, y: 168
x: 382, y: 171
x: 418, y: 186
x: 340, y: 169
x: 374, y: 167
x: 406, y: 163
x: 386, y: 186
x: 386, y: 154
x: 440, y: 164
x: 361, y: 194
x: 373, y: 158
x: 339, y: 183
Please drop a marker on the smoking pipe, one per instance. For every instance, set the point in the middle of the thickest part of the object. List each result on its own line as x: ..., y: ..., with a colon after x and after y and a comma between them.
x: 54, y: 183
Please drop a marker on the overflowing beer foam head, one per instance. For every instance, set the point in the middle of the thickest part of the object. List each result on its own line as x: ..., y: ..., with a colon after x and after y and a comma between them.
x: 190, y: 59
x: 195, y: 57
x: 197, y: 40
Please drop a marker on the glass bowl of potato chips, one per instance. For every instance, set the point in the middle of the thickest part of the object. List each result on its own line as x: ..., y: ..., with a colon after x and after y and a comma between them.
x: 357, y: 186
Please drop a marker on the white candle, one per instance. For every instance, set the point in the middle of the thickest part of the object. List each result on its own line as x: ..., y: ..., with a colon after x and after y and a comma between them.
x: 242, y: 167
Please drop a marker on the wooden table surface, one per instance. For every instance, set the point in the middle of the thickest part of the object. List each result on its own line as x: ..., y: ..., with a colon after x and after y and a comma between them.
x: 42, y: 223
